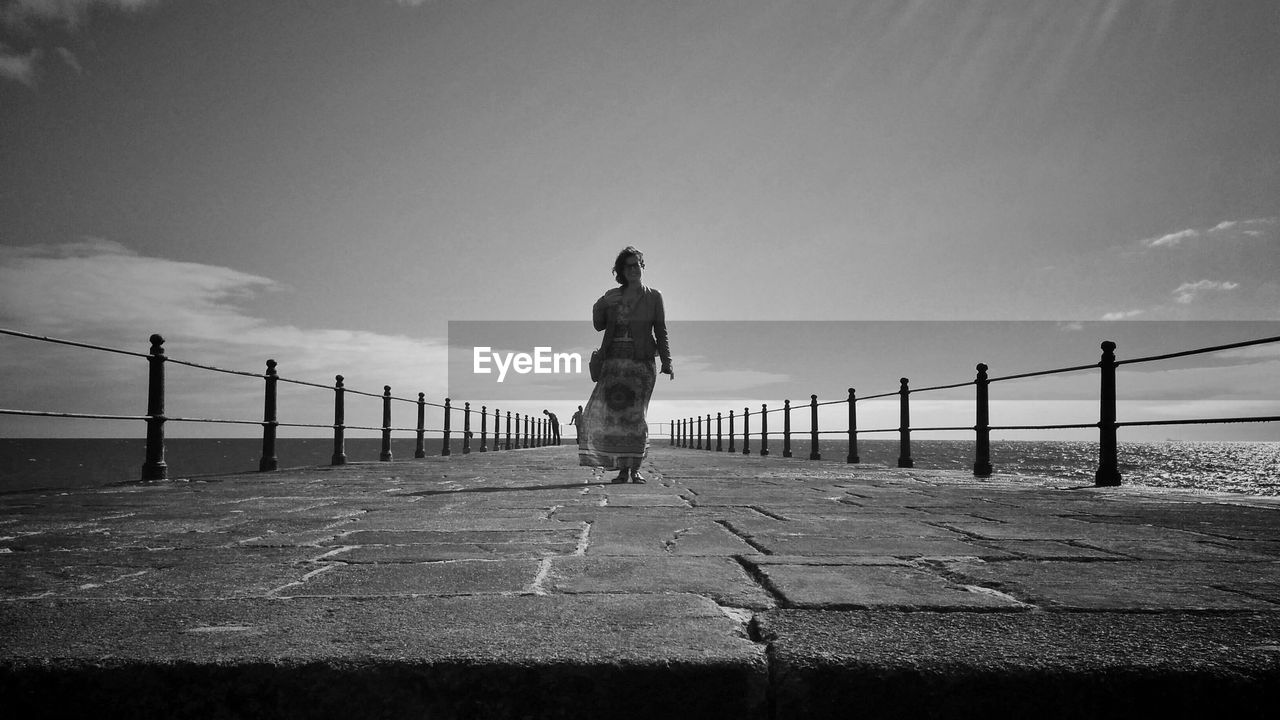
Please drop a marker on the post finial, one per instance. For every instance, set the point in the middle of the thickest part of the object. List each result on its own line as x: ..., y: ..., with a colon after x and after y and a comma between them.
x: 338, y: 380
x: 271, y: 367
x: 1108, y: 346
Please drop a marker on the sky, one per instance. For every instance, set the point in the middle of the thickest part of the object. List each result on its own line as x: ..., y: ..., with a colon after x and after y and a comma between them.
x: 331, y: 183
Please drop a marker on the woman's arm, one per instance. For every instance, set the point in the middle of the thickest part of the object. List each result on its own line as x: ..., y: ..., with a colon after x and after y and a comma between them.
x: 600, y: 311
x: 660, y: 333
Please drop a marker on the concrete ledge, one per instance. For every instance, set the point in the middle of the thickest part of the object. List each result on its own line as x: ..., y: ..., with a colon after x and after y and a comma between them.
x: 463, y: 657
x: 828, y: 664
x: 378, y: 688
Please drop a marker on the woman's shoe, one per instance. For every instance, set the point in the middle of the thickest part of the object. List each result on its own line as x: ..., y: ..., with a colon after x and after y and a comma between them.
x: 622, y: 477
x: 636, y: 477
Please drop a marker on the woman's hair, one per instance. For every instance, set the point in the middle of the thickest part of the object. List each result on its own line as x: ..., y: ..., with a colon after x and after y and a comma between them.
x: 619, y: 265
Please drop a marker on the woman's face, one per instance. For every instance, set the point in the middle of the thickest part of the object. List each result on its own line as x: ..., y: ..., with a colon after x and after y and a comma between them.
x: 631, y: 269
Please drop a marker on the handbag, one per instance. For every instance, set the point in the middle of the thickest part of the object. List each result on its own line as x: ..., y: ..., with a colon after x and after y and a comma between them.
x: 595, y: 365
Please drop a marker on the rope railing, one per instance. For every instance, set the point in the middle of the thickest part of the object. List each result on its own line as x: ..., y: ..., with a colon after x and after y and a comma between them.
x: 527, y: 432
x: 687, y: 433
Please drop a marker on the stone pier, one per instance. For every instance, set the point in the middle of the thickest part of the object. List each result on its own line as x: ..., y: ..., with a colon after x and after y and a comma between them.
x: 519, y: 585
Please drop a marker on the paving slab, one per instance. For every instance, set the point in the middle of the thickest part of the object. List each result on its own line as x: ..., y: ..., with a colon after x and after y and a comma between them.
x: 722, y: 579
x: 1131, y: 586
x: 900, y: 587
x: 451, y: 577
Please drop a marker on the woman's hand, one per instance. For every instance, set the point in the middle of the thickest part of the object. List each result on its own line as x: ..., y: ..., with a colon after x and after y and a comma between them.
x: 666, y: 370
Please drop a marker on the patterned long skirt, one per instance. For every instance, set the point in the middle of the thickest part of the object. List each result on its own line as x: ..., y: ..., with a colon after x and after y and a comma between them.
x: 616, y: 435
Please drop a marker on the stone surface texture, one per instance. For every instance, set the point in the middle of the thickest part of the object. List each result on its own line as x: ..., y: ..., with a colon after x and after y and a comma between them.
x: 516, y: 584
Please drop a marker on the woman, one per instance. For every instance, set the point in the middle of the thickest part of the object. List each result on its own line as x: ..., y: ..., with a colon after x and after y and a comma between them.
x: 634, y: 322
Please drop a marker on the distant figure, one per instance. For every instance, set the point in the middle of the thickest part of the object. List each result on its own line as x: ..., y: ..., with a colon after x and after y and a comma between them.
x: 555, y: 426
x: 634, y: 322
x: 576, y: 420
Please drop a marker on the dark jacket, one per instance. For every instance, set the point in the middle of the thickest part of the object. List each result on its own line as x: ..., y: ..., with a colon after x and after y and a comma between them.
x: 648, y: 322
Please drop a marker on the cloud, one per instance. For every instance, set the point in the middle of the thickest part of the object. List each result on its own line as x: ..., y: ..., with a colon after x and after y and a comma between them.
x: 19, y: 68
x: 1123, y: 315
x: 70, y: 59
x: 700, y: 375
x: 1252, y: 352
x: 101, y: 285
x: 1171, y: 239
x: 101, y: 292
x: 23, y: 13
x: 1188, y: 292
x: 1253, y: 227
x: 1258, y: 227
x: 32, y: 21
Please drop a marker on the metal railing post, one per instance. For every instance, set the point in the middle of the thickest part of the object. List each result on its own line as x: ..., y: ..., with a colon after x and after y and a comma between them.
x: 419, y: 446
x: 708, y: 447
x: 904, y: 426
x: 153, y: 465
x: 269, y: 461
x: 507, y: 445
x: 1108, y: 474
x: 672, y: 439
x: 444, y: 450
x: 786, y: 428
x: 746, y: 431
x: 852, y: 457
x: 719, y: 437
x: 466, y: 428
x: 484, y: 428
x: 339, y: 422
x: 699, y: 435
x: 814, y: 453
x: 731, y: 448
x: 385, y: 455
x: 764, y: 430
x: 525, y: 444
x: 982, y: 463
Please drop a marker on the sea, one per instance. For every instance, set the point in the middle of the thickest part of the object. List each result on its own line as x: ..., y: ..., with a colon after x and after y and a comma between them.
x: 1237, y: 467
